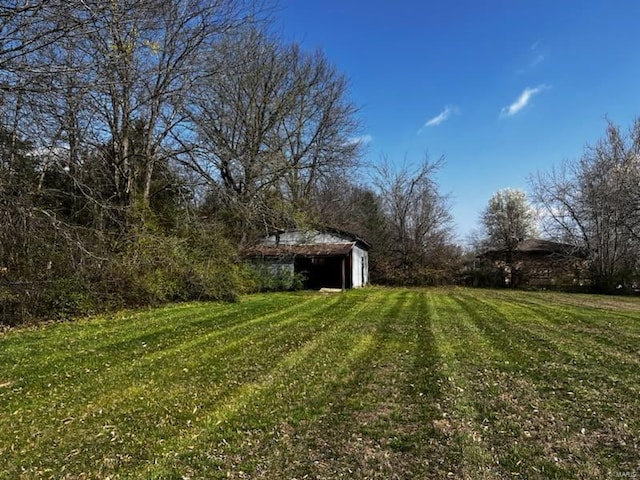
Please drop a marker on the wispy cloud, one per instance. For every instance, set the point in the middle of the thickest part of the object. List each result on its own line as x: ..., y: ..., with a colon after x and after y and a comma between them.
x: 538, y: 56
x: 522, y: 101
x: 362, y: 139
x: 441, y: 117
x: 535, y: 57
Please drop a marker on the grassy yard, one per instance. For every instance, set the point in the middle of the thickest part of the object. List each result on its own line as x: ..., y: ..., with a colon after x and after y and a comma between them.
x: 376, y: 383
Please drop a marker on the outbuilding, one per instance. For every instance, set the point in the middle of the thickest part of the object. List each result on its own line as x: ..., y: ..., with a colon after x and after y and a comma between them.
x: 326, y: 258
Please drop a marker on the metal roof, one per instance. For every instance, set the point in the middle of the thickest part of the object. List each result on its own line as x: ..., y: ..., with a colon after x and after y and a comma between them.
x: 301, y: 250
x: 324, y: 229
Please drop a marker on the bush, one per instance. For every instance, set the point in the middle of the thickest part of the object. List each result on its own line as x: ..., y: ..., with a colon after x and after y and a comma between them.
x: 65, y: 298
x: 53, y: 300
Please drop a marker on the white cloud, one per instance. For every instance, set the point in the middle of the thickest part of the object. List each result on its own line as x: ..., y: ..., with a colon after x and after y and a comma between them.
x: 441, y: 117
x: 536, y: 56
x: 522, y: 101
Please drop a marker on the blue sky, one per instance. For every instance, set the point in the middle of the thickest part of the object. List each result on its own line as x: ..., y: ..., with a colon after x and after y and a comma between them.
x: 501, y: 89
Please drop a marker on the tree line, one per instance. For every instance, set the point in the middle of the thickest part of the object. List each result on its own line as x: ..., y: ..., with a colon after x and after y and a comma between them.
x: 144, y: 143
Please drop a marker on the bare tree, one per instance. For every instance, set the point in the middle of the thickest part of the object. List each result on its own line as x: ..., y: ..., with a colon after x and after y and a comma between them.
x: 273, y: 121
x: 92, y: 99
x: 27, y: 235
x: 26, y: 28
x: 417, y: 213
x: 319, y: 132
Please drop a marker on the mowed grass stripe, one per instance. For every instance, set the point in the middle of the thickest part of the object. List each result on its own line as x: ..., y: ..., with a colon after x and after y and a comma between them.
x: 160, y: 329
x: 581, y: 338
x: 375, y: 383
x: 491, y: 403
x: 319, y: 433
x: 121, y: 404
x: 465, y: 353
x: 593, y: 311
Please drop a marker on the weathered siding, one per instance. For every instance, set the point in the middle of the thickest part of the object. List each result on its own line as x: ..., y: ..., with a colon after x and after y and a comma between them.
x: 359, y: 267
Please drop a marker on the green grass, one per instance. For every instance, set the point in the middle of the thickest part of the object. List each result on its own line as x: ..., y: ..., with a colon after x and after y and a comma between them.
x: 375, y: 383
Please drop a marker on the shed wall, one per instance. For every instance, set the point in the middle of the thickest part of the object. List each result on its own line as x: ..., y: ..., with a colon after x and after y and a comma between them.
x: 359, y: 267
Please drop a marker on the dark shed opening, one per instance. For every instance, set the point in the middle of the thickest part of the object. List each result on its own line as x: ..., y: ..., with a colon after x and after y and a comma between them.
x: 323, y: 272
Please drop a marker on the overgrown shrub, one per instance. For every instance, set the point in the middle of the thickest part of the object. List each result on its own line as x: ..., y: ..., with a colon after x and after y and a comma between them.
x: 200, y: 265
x: 147, y: 268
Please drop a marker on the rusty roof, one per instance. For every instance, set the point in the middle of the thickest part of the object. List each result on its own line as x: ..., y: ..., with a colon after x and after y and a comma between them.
x: 302, y: 250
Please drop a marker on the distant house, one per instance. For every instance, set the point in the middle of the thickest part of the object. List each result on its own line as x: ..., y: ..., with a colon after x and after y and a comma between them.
x: 325, y: 258
x: 536, y: 262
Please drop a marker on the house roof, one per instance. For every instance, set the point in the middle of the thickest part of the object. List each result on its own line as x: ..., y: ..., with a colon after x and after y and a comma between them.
x: 302, y: 250
x: 544, y: 246
x: 539, y: 246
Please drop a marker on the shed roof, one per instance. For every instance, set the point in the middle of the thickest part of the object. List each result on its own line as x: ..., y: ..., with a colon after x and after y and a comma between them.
x: 353, y: 237
x: 302, y: 250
